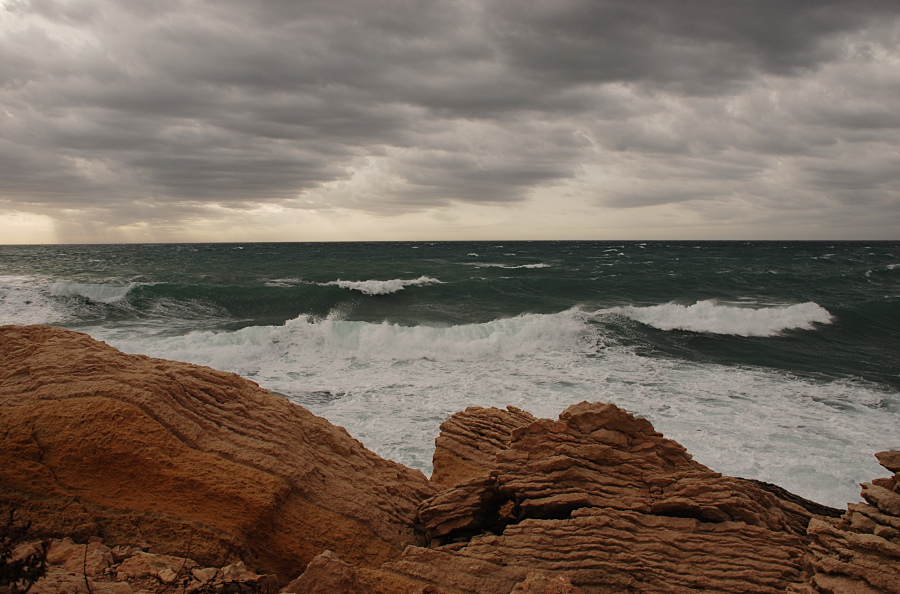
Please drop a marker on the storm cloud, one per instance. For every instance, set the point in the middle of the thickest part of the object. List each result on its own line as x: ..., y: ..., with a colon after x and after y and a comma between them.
x: 118, y: 113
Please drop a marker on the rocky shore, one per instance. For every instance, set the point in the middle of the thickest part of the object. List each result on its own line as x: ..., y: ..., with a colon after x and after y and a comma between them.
x: 144, y: 475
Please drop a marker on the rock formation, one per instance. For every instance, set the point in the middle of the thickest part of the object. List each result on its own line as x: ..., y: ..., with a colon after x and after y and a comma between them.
x: 600, y: 499
x: 94, y: 568
x: 200, y: 463
x: 178, y: 467
x: 861, y: 552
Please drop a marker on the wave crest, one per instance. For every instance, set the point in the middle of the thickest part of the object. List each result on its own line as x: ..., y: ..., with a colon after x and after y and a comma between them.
x: 711, y: 317
x: 506, y: 266
x: 382, y: 287
x: 98, y: 293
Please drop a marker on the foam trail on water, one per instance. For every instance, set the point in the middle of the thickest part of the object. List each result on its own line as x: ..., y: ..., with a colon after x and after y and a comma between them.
x: 506, y: 266
x: 98, y: 293
x: 709, y: 316
x: 382, y: 287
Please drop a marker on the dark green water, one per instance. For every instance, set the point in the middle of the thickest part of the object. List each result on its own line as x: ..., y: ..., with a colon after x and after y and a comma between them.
x: 776, y: 360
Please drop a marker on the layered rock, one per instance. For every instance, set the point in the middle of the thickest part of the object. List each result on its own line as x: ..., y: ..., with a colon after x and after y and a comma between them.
x: 602, y: 500
x: 182, y: 469
x: 861, y: 552
x: 470, y: 440
x: 195, y: 462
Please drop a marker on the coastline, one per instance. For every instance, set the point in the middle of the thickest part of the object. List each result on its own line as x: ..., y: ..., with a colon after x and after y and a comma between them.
x: 207, y: 465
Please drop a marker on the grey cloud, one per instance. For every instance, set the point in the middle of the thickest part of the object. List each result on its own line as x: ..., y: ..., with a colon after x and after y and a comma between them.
x: 696, y: 47
x: 185, y: 103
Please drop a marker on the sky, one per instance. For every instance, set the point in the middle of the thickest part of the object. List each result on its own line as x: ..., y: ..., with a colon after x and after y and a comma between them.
x: 324, y: 120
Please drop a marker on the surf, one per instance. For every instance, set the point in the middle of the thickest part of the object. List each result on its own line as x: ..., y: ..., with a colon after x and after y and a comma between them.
x: 382, y: 287
x: 712, y: 317
x: 96, y: 292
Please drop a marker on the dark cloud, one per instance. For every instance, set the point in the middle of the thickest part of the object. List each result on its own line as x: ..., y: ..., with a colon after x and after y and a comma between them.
x: 107, y: 103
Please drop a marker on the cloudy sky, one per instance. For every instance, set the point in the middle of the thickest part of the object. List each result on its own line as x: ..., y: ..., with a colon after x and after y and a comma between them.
x: 293, y: 120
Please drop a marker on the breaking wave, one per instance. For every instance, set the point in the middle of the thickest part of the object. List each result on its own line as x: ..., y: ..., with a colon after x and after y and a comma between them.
x: 382, y: 287
x: 98, y: 293
x: 711, y: 317
x: 506, y: 266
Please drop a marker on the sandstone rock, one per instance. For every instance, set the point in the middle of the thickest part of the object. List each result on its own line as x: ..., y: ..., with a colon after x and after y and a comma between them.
x: 204, y: 575
x: 112, y: 588
x: 860, y: 552
x: 164, y: 567
x: 540, y: 583
x: 94, y: 441
x: 91, y: 559
x: 887, y: 501
x: 59, y: 581
x: 890, y: 460
x: 196, y: 463
x: 327, y: 574
x: 146, y: 573
x: 469, y: 441
x: 600, y: 499
x: 120, y: 553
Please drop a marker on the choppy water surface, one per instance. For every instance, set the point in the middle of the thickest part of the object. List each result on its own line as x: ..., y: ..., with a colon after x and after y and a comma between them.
x: 773, y: 360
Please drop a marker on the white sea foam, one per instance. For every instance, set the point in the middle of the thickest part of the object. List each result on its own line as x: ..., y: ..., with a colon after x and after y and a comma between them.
x: 715, y: 318
x: 25, y: 300
x: 391, y: 386
x: 284, y: 282
x: 382, y: 287
x: 506, y: 266
x: 98, y: 293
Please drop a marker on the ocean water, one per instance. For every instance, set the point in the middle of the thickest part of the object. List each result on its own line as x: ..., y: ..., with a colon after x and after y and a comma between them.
x: 778, y: 361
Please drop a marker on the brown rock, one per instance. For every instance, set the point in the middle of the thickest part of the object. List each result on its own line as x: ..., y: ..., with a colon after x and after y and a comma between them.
x: 61, y: 549
x: 204, y: 575
x: 600, y: 499
x: 470, y: 440
x: 887, y: 501
x: 111, y: 588
x: 327, y: 574
x: 540, y: 583
x: 861, y: 552
x: 59, y: 581
x: 120, y: 553
x: 154, y: 565
x: 91, y: 559
x: 94, y: 441
x: 890, y: 460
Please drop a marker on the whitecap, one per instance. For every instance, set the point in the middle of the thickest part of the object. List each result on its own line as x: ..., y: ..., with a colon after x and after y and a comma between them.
x: 382, y: 287
x: 506, y: 266
x: 284, y: 282
x: 714, y: 318
x: 98, y: 293
x: 25, y: 300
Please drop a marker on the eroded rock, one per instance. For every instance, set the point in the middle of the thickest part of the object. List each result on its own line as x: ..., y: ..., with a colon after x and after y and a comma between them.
x: 327, y: 574
x: 194, y: 461
x: 175, y: 464
x: 861, y: 551
x: 599, y: 498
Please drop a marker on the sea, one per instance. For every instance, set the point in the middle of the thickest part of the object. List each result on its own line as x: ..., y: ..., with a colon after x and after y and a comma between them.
x: 777, y: 361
